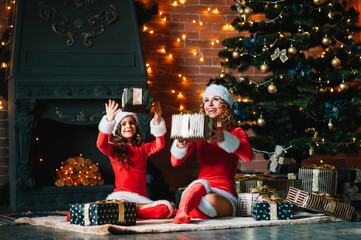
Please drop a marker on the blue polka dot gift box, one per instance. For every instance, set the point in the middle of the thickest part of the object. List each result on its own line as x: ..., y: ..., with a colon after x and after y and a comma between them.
x: 103, y: 212
x: 272, y: 211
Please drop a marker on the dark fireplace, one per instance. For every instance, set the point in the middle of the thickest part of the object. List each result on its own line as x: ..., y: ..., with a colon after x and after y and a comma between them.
x: 69, y: 57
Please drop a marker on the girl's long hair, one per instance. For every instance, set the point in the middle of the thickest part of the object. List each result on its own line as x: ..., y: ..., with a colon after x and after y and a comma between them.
x: 120, y: 142
x: 226, y: 114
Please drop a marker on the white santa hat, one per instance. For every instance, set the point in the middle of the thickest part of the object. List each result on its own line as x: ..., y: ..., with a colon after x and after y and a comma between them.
x: 220, y: 91
x: 119, y: 117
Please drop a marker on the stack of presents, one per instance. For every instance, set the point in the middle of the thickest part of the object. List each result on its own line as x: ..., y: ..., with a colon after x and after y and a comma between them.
x: 314, y: 188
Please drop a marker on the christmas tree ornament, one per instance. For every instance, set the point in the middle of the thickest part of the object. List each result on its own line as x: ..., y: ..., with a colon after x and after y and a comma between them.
x: 292, y: 50
x: 343, y: 86
x: 261, y: 121
x: 248, y: 11
x: 281, y: 54
x: 336, y: 62
x: 326, y: 40
x: 235, y: 54
x: 264, y: 68
x: 222, y: 74
x: 311, y: 151
x: 351, y: 37
x: 330, y: 125
x: 272, y: 88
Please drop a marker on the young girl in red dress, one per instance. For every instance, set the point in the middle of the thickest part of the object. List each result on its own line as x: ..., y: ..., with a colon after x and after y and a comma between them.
x: 213, y: 193
x: 120, y: 139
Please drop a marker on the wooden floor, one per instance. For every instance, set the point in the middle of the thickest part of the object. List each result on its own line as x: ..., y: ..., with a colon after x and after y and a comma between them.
x: 319, y: 231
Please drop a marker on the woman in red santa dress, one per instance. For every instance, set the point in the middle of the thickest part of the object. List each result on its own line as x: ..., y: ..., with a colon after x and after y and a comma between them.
x: 120, y: 139
x: 213, y: 193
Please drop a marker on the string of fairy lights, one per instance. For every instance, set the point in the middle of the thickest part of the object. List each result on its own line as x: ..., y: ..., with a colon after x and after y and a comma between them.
x: 181, y: 40
x: 5, y: 24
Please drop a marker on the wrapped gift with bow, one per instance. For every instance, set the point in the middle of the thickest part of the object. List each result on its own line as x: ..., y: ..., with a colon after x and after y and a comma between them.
x: 245, y: 199
x: 271, y: 208
x: 117, y: 212
x: 319, y: 179
x: 245, y: 182
x: 279, y: 164
x: 135, y: 100
x: 323, y: 203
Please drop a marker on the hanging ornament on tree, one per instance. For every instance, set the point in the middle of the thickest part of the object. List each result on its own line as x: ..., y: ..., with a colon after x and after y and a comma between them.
x: 326, y: 40
x: 330, y: 125
x: 222, y: 74
x: 261, y: 121
x: 272, y: 88
x: 292, y: 50
x: 235, y: 54
x: 343, y: 86
x: 248, y: 11
x: 264, y: 68
x: 311, y: 151
x: 335, y: 62
x: 281, y: 54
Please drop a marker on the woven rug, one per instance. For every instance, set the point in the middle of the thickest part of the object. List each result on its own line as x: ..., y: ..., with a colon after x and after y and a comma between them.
x: 167, y: 225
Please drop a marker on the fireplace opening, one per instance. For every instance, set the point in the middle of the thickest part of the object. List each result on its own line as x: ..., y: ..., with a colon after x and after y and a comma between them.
x: 54, y: 142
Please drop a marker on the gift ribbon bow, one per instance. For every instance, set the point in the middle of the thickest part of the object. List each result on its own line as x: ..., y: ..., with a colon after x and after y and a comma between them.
x: 281, y: 54
x: 273, y: 200
x: 120, y: 207
x: 322, y: 167
x: 244, y: 177
x: 260, y: 189
x: 332, y: 109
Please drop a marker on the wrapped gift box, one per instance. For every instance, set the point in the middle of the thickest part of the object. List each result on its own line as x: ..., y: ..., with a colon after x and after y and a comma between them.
x: 318, y: 180
x: 318, y: 203
x: 99, y: 213
x: 135, y: 100
x: 278, y: 184
x: 272, y: 211
x: 279, y: 164
x: 245, y: 201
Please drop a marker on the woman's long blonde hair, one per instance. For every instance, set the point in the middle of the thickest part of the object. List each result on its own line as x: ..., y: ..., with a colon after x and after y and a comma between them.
x: 120, y: 142
x: 226, y: 114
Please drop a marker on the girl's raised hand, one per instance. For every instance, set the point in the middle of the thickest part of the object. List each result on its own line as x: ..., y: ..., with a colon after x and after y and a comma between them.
x: 157, y: 113
x: 111, y: 110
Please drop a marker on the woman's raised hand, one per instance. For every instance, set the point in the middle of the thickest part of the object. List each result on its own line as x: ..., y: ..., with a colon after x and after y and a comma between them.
x: 111, y: 110
x: 217, y: 136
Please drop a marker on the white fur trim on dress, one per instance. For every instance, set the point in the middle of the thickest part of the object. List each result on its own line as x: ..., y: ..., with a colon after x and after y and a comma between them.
x: 105, y: 126
x: 207, y: 208
x: 129, y: 196
x: 227, y: 195
x: 165, y: 202
x: 158, y: 131
x: 177, y: 152
x: 203, y: 181
x: 230, y: 143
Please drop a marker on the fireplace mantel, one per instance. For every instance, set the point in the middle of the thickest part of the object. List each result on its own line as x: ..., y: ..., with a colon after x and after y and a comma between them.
x: 68, y: 59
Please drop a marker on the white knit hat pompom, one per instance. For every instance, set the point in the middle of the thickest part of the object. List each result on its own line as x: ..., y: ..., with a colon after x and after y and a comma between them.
x: 220, y: 91
x: 119, y: 117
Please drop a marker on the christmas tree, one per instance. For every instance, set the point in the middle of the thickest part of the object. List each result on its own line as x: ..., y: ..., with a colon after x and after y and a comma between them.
x: 307, y: 97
